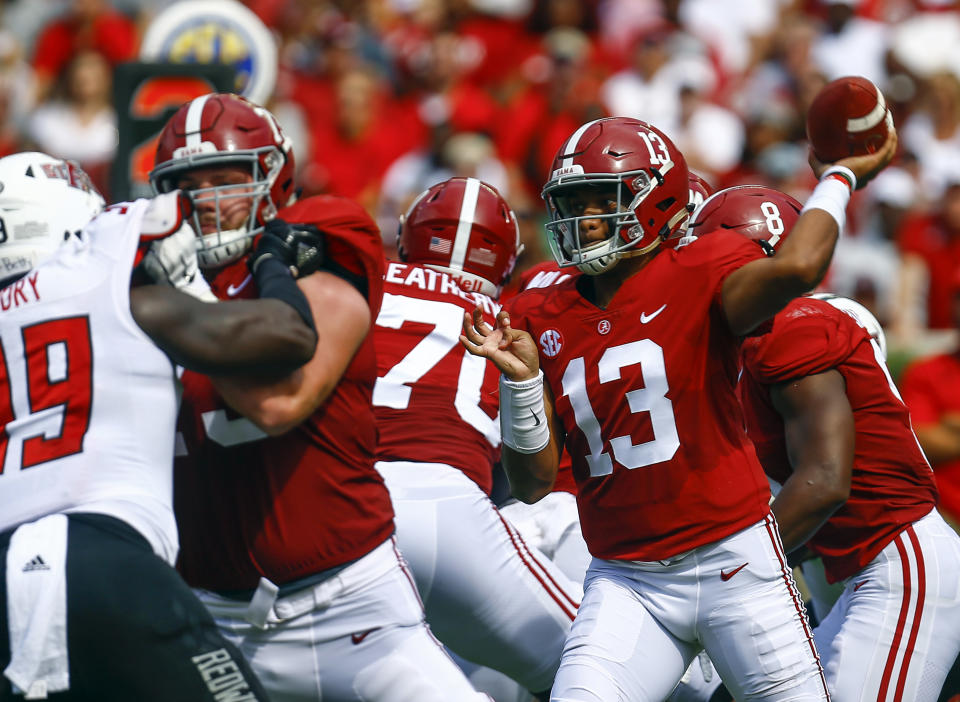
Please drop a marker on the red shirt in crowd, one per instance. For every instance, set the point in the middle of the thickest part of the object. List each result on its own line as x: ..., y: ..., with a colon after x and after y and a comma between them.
x: 931, y: 388
x: 112, y: 33
x: 928, y: 238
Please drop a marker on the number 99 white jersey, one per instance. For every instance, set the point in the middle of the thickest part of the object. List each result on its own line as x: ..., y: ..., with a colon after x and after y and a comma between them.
x: 88, y: 403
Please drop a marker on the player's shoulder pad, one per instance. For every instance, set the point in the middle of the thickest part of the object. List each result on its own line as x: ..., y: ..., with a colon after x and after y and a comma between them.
x: 545, y: 299
x: 331, y: 213
x: 347, y: 227
x: 719, y: 246
x: 354, y: 249
x: 807, y: 337
x: 163, y: 216
x: 545, y: 274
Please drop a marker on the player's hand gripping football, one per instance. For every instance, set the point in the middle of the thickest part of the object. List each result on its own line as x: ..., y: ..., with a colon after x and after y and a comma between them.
x: 511, y: 350
x: 865, y: 167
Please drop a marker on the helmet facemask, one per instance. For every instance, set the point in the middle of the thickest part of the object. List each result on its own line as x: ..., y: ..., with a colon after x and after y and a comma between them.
x: 224, y: 246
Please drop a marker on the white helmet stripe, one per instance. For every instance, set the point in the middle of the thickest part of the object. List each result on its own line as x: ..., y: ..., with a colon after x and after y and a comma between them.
x: 193, y: 122
x: 574, y: 141
x: 468, y: 209
x: 871, y: 119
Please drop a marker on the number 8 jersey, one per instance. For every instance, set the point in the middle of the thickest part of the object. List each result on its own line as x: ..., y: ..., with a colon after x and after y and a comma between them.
x: 88, y: 403
x: 644, y: 390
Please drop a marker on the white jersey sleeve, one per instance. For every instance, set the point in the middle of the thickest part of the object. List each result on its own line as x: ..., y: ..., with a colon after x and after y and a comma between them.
x: 88, y: 403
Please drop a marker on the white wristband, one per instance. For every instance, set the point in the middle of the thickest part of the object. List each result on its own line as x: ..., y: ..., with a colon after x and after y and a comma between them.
x: 842, y: 171
x: 832, y: 197
x: 523, y: 420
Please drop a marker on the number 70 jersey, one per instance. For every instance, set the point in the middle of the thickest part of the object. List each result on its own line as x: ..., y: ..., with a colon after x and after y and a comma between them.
x: 434, y: 402
x: 644, y: 390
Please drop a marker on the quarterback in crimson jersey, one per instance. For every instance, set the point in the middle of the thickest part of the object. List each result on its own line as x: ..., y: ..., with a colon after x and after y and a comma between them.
x: 488, y: 595
x: 632, y: 366
x: 554, y: 523
x: 286, y: 526
x: 830, y: 426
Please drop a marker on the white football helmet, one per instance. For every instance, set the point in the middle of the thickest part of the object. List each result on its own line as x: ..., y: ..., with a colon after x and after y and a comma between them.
x: 42, y: 201
x: 859, y: 313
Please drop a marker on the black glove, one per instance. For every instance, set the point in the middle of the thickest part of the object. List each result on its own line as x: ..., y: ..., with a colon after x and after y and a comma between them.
x: 301, y: 247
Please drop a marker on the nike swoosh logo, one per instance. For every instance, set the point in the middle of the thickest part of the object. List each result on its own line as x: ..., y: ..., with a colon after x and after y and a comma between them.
x: 357, y: 638
x: 231, y: 291
x: 726, y: 576
x: 536, y: 419
x: 644, y: 317
x: 860, y: 585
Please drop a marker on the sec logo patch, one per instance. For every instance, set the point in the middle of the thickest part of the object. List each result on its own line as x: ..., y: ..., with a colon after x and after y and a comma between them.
x: 551, y: 341
x: 604, y: 326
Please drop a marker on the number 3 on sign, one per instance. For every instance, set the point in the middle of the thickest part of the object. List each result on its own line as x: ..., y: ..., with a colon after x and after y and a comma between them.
x: 652, y: 399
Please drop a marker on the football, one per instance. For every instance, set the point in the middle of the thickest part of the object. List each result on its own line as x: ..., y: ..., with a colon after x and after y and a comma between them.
x: 848, y: 117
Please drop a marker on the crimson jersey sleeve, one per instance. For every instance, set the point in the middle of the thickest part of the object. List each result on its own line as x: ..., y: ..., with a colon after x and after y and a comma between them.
x: 806, y: 338
x: 717, y: 256
x: 922, y: 384
x: 352, y: 238
x: 544, y: 275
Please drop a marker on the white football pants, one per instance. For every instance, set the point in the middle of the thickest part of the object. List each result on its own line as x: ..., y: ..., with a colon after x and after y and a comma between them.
x: 488, y: 596
x: 641, y: 624
x: 358, y: 636
x: 895, y: 631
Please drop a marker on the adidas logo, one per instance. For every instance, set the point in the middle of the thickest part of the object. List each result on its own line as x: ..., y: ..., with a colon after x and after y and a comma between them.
x: 36, y: 563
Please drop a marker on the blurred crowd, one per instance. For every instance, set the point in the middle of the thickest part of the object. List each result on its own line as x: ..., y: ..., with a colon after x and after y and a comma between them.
x: 386, y: 97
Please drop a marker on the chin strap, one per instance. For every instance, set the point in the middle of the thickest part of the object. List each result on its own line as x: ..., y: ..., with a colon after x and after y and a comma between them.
x: 233, y: 244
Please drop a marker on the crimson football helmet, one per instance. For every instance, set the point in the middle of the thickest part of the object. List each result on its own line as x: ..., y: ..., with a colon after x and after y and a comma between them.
x: 43, y: 200
x: 462, y: 227
x: 756, y: 211
x: 649, y: 176
x: 222, y: 129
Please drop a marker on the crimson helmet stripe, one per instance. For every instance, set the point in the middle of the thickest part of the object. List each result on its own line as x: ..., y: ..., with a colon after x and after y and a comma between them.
x: 574, y: 141
x: 468, y: 210
x: 193, y: 123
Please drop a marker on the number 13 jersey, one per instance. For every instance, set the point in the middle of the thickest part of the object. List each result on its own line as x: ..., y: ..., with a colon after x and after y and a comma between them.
x: 644, y: 390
